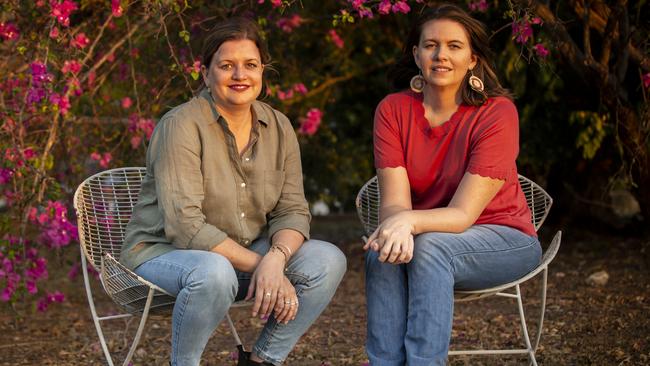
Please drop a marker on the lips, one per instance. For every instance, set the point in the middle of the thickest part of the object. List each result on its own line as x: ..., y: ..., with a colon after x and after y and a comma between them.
x: 239, y: 87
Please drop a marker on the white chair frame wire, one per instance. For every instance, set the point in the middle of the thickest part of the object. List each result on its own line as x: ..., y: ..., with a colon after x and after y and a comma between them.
x: 104, y: 203
x: 539, y: 201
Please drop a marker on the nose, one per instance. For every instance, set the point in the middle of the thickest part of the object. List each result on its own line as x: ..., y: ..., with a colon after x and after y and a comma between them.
x: 239, y: 73
x: 440, y: 53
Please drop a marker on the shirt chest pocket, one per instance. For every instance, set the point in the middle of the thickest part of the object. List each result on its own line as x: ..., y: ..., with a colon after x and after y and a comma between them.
x: 272, y: 185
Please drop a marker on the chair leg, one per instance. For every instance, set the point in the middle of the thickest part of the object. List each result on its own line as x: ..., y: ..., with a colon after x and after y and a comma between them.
x: 93, y: 311
x: 138, y: 333
x: 233, y: 330
x: 543, y: 310
x: 524, y: 327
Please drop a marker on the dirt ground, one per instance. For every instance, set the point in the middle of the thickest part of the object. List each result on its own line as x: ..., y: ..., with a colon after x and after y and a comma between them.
x: 585, y: 324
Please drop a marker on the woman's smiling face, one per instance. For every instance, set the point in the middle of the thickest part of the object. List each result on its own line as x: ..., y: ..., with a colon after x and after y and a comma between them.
x: 234, y: 75
x: 444, y: 53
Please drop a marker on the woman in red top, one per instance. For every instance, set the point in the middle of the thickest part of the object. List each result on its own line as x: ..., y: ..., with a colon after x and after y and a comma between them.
x: 452, y: 212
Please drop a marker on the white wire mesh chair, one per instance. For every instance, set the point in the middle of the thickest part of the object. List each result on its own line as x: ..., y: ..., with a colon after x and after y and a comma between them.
x: 104, y: 203
x: 368, y: 202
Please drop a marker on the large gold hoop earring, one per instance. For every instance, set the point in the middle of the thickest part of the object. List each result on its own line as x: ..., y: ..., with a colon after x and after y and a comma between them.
x: 418, y: 83
x: 475, y: 83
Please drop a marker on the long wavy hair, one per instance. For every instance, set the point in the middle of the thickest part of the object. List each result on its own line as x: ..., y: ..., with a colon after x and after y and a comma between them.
x: 400, y: 74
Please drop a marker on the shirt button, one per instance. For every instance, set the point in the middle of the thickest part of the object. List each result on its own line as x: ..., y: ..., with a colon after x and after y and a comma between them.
x: 243, y: 185
x: 242, y: 215
x: 246, y: 241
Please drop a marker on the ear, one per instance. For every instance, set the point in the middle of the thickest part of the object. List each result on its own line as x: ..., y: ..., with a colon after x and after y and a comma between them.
x: 416, y: 56
x: 204, y: 73
x: 473, y: 62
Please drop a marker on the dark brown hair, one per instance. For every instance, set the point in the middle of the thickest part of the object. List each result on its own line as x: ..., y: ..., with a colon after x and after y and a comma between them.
x: 401, y: 73
x: 235, y: 28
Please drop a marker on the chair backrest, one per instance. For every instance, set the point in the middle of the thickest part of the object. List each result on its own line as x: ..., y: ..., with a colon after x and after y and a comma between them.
x: 368, y: 202
x: 104, y: 203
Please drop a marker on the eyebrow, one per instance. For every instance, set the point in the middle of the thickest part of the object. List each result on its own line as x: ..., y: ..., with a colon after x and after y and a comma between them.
x: 450, y: 41
x: 249, y: 60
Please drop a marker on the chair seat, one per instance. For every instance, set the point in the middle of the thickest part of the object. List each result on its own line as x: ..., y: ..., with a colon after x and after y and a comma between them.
x: 547, y: 258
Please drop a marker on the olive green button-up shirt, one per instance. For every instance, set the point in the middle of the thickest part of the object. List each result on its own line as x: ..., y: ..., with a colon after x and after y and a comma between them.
x: 198, y: 189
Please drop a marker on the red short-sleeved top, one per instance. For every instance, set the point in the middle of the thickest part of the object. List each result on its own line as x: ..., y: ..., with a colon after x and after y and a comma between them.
x: 480, y: 140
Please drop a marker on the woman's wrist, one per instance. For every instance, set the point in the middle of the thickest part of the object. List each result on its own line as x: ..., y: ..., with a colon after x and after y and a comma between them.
x: 410, y: 218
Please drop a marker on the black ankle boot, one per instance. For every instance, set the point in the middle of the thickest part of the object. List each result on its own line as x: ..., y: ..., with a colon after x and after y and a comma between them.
x: 244, y: 359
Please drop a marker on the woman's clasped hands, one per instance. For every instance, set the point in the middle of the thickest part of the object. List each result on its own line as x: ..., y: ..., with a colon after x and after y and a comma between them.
x: 272, y: 290
x: 393, y: 239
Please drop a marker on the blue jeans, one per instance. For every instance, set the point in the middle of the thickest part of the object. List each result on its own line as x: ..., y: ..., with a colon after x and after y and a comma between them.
x: 410, y: 306
x: 206, y: 284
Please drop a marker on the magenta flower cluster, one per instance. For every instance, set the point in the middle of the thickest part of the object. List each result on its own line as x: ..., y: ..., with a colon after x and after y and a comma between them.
x: 364, y: 8
x: 522, y: 31
x: 310, y: 123
x: 140, y: 128
x: 20, y: 271
x: 8, y: 31
x: 56, y: 230
x: 289, y: 93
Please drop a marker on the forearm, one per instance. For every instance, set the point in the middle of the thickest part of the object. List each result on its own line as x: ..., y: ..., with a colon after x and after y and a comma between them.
x: 445, y: 219
x: 241, y: 258
x: 291, y: 239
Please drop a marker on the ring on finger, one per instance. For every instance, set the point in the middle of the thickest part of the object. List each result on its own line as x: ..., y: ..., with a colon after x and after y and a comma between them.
x: 268, y: 294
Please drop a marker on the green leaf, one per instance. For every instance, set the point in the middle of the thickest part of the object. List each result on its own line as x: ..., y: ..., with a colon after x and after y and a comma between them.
x: 185, y: 35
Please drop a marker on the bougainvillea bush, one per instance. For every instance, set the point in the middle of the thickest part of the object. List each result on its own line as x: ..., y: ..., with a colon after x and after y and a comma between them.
x: 83, y: 82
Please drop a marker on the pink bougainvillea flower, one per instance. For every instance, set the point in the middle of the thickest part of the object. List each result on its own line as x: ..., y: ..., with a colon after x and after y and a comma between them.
x: 357, y: 4
x: 29, y: 153
x: 5, y: 175
x: 72, y: 66
x: 106, y: 158
x: 116, y: 8
x: 288, y: 24
x: 8, y: 31
x: 61, y: 11
x: 646, y: 80
x: 284, y: 95
x: 126, y: 102
x: 537, y: 20
x: 103, y: 159
x: 334, y: 37
x: 54, y: 32
x: 276, y: 3
x: 479, y: 5
x: 136, y: 141
x: 80, y: 41
x: 522, y: 31
x: 384, y: 7
x: 309, y: 124
x: 540, y: 50
x: 61, y: 102
x: 300, y: 88
x: 401, y: 7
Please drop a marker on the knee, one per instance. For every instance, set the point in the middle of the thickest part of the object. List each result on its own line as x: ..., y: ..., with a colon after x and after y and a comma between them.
x: 327, y: 262
x: 431, y: 248
x: 214, y: 276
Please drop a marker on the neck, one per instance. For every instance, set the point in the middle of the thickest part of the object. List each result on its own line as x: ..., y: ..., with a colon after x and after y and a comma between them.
x: 442, y: 100
x: 237, y: 118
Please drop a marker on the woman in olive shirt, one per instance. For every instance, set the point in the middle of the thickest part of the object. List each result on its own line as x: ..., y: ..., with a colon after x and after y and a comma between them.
x: 221, y: 169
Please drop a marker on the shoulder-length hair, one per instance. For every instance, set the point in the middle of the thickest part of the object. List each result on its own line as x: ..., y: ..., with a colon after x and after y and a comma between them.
x: 401, y: 73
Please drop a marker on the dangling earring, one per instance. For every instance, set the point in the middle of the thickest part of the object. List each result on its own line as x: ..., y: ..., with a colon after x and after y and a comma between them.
x: 475, y: 83
x: 418, y: 83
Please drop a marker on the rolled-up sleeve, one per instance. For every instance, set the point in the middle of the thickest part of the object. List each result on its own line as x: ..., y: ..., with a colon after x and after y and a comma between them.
x: 176, y: 158
x: 292, y: 210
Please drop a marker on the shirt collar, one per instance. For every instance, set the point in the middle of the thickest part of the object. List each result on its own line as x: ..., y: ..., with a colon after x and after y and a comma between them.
x: 259, y: 112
